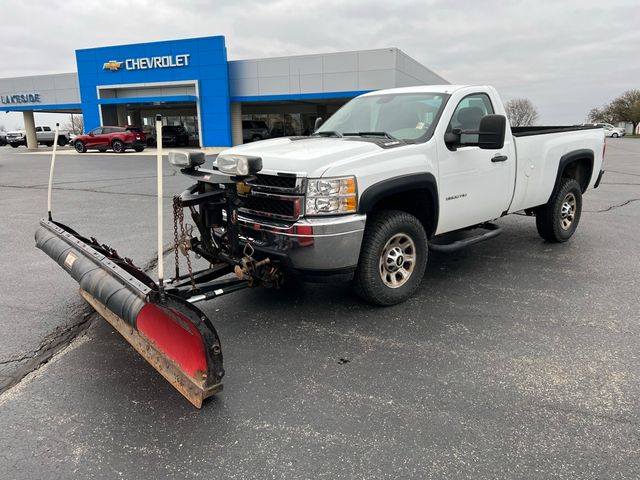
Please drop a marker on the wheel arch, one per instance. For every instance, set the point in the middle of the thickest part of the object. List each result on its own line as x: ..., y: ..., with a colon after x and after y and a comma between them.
x: 416, y: 194
x: 577, y: 165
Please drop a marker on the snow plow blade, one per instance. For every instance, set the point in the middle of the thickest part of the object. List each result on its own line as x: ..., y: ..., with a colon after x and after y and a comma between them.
x: 171, y: 334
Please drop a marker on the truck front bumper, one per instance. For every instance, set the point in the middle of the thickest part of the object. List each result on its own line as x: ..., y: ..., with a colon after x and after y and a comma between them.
x: 312, y: 246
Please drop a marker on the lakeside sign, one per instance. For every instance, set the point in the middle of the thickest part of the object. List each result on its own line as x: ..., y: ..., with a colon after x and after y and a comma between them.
x: 147, y: 63
x: 20, y: 98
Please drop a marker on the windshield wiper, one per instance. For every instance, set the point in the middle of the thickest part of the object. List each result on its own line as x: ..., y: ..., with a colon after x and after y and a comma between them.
x: 326, y: 133
x: 371, y: 134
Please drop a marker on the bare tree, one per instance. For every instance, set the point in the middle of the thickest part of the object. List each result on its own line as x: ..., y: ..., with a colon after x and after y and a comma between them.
x: 626, y: 107
x: 602, y: 114
x: 75, y: 124
x: 521, y: 112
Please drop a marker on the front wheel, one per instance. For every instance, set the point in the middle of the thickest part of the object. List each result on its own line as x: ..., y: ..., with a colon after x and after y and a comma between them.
x: 80, y: 147
x: 393, y: 258
x: 118, y: 146
x: 14, y: 145
x: 615, y: 135
x: 558, y: 220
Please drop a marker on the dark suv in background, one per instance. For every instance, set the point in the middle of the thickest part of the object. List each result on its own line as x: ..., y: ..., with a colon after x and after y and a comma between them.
x: 175, y: 135
x: 116, y: 138
x: 254, y: 130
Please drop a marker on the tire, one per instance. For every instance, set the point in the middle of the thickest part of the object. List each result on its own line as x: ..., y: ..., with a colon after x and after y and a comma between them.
x: 80, y: 147
x: 615, y: 135
x: 62, y: 141
x: 102, y: 150
x: 139, y: 149
x: 118, y: 146
x: 558, y: 220
x: 14, y: 145
x: 389, y: 237
x: 49, y: 144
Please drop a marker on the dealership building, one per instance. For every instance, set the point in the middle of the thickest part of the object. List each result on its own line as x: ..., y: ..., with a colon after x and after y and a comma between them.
x: 191, y: 82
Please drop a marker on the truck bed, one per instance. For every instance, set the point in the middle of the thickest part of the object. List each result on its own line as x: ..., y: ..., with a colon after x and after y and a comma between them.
x: 539, y: 151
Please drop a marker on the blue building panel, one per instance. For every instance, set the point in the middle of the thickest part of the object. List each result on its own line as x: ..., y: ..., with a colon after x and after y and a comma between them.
x: 203, y: 60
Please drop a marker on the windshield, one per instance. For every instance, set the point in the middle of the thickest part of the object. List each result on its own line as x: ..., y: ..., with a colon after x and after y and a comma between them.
x: 405, y: 116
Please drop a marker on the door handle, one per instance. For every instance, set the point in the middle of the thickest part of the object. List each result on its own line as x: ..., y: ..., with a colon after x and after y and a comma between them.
x: 499, y: 158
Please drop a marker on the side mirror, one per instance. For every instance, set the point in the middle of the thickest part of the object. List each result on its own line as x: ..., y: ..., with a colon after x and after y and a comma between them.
x: 492, y: 131
x: 318, y: 123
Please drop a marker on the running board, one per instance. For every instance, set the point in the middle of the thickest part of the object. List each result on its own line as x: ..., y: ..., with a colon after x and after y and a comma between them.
x: 492, y: 231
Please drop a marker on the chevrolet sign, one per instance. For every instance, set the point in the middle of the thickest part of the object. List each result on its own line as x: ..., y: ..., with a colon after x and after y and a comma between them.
x: 147, y: 63
x: 112, y: 65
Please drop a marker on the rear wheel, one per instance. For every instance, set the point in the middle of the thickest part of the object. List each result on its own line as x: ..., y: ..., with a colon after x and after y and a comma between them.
x: 80, y: 147
x: 558, y: 220
x: 118, y: 146
x: 393, y: 258
x: 139, y: 149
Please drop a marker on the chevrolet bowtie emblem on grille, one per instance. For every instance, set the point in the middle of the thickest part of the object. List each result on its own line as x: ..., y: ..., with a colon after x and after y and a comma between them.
x: 112, y: 65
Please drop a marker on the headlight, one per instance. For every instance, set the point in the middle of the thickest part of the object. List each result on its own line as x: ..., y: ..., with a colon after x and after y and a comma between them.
x: 239, y: 164
x: 331, y: 196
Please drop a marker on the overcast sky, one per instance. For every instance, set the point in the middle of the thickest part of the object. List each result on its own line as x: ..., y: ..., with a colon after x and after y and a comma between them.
x: 566, y: 56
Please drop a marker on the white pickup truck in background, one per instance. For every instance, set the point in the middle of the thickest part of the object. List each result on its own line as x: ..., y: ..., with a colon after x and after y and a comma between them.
x: 45, y: 136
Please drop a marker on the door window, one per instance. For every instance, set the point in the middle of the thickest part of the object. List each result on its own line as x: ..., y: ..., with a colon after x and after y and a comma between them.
x: 468, y: 114
x: 96, y: 131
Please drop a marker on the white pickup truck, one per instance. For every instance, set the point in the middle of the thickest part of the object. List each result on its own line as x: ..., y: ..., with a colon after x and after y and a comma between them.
x: 45, y: 136
x: 397, y: 172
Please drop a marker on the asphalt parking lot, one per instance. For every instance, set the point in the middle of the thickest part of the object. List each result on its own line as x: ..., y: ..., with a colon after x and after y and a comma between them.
x: 516, y: 359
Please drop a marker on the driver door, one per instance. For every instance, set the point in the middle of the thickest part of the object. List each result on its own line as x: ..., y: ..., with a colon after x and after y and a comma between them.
x: 93, y: 137
x: 475, y: 185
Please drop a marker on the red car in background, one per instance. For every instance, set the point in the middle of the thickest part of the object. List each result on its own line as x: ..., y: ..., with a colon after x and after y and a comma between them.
x: 117, y: 139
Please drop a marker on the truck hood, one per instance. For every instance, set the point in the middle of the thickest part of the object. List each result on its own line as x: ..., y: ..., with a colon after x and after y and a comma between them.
x: 307, y: 156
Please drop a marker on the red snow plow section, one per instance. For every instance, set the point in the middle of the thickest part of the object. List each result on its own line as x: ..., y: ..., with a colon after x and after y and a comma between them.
x: 173, y: 334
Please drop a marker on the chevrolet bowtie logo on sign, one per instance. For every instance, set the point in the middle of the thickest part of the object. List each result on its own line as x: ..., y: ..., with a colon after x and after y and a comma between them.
x: 147, y: 63
x: 112, y: 65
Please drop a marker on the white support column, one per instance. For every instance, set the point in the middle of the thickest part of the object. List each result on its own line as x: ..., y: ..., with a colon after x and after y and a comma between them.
x: 236, y: 123
x: 30, y: 130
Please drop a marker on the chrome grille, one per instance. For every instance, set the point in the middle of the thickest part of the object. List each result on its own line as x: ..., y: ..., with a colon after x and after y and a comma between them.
x: 277, y: 183
x: 274, y: 196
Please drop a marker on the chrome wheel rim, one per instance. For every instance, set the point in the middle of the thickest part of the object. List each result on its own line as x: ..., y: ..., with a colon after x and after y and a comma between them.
x: 397, y: 260
x: 568, y: 211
